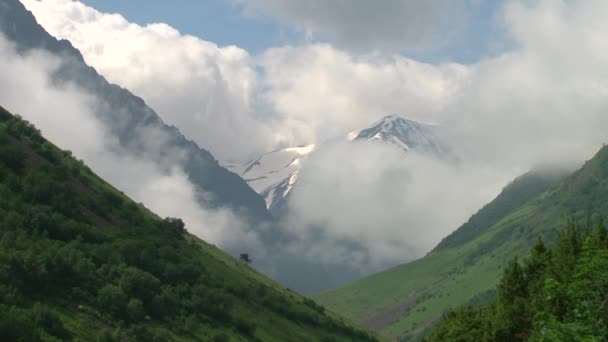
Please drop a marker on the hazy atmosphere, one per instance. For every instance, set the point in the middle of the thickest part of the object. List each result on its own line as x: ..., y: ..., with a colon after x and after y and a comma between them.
x: 287, y: 170
x: 502, y: 114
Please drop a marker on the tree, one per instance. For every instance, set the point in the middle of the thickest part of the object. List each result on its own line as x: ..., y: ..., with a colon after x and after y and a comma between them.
x: 513, y: 305
x: 176, y: 224
x: 245, y: 258
x: 12, y: 158
x: 49, y: 321
x: 112, y: 299
x: 139, y: 284
x: 135, y: 310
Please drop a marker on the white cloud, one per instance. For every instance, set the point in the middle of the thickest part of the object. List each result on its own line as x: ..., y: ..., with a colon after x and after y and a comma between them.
x: 322, y: 92
x: 395, y: 207
x: 207, y: 91
x: 546, y: 99
x: 362, y: 25
x: 543, y: 102
x: 66, y: 116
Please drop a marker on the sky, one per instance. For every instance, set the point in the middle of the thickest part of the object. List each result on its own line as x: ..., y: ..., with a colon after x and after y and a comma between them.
x: 215, y: 20
x: 232, y: 22
x: 513, y: 85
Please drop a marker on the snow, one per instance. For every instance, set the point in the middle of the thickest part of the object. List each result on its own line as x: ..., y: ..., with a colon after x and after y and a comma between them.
x: 301, y: 150
x: 404, y: 134
x: 273, y: 171
x: 275, y: 174
x: 352, y: 135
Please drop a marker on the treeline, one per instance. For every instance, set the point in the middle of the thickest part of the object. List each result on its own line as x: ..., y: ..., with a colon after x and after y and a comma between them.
x: 79, y: 260
x: 556, y: 294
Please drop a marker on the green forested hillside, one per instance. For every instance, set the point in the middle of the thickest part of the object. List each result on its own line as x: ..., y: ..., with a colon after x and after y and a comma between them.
x: 80, y: 261
x: 556, y: 294
x: 404, y: 302
x: 512, y: 197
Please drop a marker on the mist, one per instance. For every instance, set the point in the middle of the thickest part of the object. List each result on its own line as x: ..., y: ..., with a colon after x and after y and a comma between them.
x: 540, y: 100
x: 67, y: 117
x: 542, y: 103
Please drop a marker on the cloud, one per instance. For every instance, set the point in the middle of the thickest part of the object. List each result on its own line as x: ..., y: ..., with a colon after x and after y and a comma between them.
x: 215, y: 96
x: 368, y: 205
x: 543, y: 100
x: 546, y: 99
x: 361, y: 25
x: 207, y: 91
x: 322, y: 92
x: 66, y: 116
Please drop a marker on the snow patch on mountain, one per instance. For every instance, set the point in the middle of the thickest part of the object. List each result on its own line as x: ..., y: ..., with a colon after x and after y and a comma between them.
x: 274, y: 174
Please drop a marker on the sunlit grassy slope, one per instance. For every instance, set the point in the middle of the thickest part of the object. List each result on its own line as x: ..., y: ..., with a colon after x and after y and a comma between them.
x: 403, y: 302
x: 80, y: 261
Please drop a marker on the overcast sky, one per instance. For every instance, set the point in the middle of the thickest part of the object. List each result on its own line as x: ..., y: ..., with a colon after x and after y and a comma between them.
x: 515, y: 83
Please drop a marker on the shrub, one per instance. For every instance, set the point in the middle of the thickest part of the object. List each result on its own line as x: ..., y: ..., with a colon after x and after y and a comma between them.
x: 112, y: 299
x: 135, y: 310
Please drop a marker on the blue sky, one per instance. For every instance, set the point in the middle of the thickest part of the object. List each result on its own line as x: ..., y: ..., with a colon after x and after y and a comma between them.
x: 224, y: 23
x: 213, y: 20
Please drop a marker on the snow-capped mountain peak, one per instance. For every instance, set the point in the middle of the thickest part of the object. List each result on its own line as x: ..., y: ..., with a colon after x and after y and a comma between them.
x: 274, y: 174
x: 403, y: 133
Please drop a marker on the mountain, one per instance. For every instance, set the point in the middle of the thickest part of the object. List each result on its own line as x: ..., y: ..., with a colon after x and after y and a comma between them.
x: 81, y: 261
x: 141, y: 134
x: 405, y: 301
x: 131, y: 121
x: 274, y: 174
x: 404, y: 134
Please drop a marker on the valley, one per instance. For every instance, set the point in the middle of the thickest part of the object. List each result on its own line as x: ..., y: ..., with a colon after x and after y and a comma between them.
x: 284, y: 171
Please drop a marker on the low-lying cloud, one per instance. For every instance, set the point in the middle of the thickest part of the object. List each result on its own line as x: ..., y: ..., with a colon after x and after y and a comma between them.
x: 544, y: 100
x: 370, y: 205
x: 66, y: 116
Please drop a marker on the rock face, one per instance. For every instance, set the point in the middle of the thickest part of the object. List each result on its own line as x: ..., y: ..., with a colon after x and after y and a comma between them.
x: 132, y: 122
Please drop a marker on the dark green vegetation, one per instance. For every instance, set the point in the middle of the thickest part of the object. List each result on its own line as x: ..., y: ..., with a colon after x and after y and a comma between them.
x: 80, y: 261
x: 557, y: 294
x: 404, y: 302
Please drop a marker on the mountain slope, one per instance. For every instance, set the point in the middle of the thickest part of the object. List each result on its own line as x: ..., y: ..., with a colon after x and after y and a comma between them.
x: 131, y: 121
x: 512, y: 197
x: 81, y: 261
x: 407, y: 299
